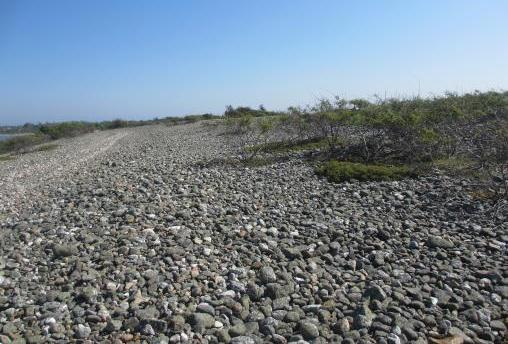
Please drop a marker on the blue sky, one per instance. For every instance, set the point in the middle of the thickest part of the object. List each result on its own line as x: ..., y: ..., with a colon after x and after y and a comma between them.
x: 104, y: 59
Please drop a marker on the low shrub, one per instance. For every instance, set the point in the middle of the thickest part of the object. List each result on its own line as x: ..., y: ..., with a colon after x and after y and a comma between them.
x: 242, y: 111
x: 250, y: 134
x: 66, y: 129
x: 47, y: 147
x: 18, y: 144
x: 114, y: 124
x: 454, y: 165
x: 341, y: 171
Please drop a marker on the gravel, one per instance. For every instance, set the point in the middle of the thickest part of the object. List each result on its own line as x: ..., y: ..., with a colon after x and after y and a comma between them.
x: 140, y: 235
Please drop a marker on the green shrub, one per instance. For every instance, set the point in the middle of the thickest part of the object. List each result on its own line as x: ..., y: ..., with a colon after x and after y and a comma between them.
x: 192, y: 118
x: 20, y: 143
x: 340, y: 171
x: 66, y: 129
x: 239, y: 125
x: 242, y: 111
x: 47, y: 147
x: 455, y: 165
x: 118, y: 123
x: 207, y: 116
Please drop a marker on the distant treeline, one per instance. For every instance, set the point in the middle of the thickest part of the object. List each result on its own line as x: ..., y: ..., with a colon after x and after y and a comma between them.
x: 37, y: 134
x: 242, y: 111
x: 73, y: 128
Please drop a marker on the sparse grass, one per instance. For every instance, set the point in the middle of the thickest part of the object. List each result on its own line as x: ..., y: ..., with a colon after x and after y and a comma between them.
x: 281, y: 146
x: 66, y: 129
x: 26, y: 147
x: 45, y: 148
x: 341, y: 171
x: 483, y: 194
x: 454, y: 165
x: 18, y: 144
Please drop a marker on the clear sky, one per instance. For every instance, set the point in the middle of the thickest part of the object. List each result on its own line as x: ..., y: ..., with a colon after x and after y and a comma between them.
x: 103, y: 59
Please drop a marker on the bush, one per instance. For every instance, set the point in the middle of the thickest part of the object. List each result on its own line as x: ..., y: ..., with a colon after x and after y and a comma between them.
x: 18, y: 144
x: 66, y: 129
x: 340, y: 171
x: 207, y: 116
x: 118, y: 123
x: 47, y: 147
x: 242, y: 111
x: 250, y: 134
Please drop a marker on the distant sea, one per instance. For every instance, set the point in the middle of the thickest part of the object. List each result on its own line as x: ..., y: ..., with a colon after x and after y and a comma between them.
x: 4, y: 137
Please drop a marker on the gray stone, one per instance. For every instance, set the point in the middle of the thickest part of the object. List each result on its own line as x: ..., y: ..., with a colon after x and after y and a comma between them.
x: 439, y: 242
x: 81, y: 331
x: 202, y: 321
x: 205, y: 308
x: 375, y: 292
x: 308, y: 329
x: 267, y: 275
x: 237, y: 330
x: 61, y: 251
x: 242, y: 340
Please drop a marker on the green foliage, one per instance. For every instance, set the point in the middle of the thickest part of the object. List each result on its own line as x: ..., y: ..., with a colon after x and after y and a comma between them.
x: 207, y: 116
x: 17, y: 144
x: 340, y: 171
x: 242, y: 111
x: 239, y: 125
x: 359, y: 104
x: 455, y: 165
x: 192, y: 118
x: 66, y: 129
x: 393, y: 131
x: 47, y: 147
x: 6, y: 158
x: 114, y: 124
x: 429, y: 135
x: 117, y: 123
x: 266, y: 124
x: 187, y: 119
x: 256, y: 161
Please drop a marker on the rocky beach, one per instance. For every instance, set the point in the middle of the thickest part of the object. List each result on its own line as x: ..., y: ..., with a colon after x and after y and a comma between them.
x: 139, y: 235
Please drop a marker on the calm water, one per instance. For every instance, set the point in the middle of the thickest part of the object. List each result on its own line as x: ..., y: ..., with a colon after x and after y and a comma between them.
x: 4, y: 137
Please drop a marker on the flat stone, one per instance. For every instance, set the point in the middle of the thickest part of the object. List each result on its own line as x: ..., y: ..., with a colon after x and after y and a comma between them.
x: 61, y: 251
x: 439, y: 242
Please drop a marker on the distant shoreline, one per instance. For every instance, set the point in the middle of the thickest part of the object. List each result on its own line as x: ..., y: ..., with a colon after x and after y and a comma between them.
x: 6, y: 136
